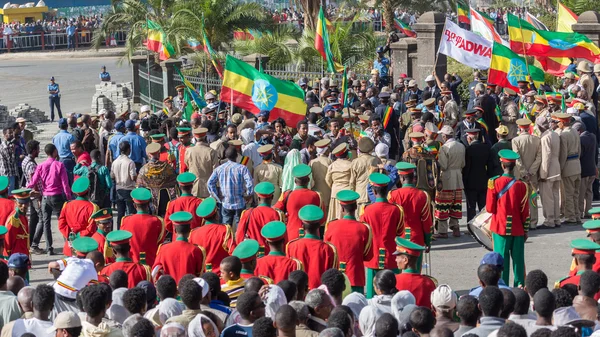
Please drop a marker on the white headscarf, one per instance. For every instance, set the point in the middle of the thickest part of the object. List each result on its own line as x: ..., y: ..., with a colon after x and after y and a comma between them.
x: 382, y: 150
x: 400, y: 300
x: 168, y: 308
x: 356, y: 302
x: 292, y: 159
x: 367, y: 319
x: 275, y: 299
x: 173, y: 330
x: 247, y: 136
x: 195, y: 327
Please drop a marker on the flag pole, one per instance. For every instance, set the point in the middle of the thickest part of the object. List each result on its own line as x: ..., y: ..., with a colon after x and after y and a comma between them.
x: 148, y: 65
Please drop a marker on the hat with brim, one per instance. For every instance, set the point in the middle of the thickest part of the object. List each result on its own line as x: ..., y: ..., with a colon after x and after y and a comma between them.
x: 264, y: 189
x: 181, y: 218
x: 366, y: 145
x: 472, y: 132
x: 180, y: 87
x: 153, y: 148
x: 595, y: 213
x: 64, y: 320
x: 141, y: 195
x: 346, y: 197
x: 311, y: 213
x: 81, y: 186
x: 562, y: 117
x: 20, y: 120
x: 200, y: 132
x: 502, y: 130
x: 265, y: 150
x: 379, y: 179
x: 119, y: 237
x: 168, y: 99
x: 207, y: 208
x: 541, y: 100
x: 568, y: 316
x: 407, y: 247
x: 470, y: 112
x: 429, y: 102
x: 584, y: 247
x: 414, y: 111
x: 157, y: 138
x: 102, y: 215
x: 509, y: 92
x: 246, y: 251
x: 405, y: 168
x: 523, y: 123
x: 416, y: 136
x: 316, y: 109
x: 584, y: 67
x: 508, y: 156
x: 84, y: 245
x: 186, y: 179
x: 183, y: 132
x: 22, y: 195
x: 323, y: 143
x: 3, y: 184
x: 235, y: 142
x: 274, y: 231
x: 340, y: 150
x: 592, y: 226
x: 301, y: 171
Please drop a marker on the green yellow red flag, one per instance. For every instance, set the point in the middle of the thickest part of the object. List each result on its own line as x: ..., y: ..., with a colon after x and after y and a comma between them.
x: 463, y: 10
x: 507, y: 69
x: 157, y: 41
x: 566, y: 19
x: 322, y: 44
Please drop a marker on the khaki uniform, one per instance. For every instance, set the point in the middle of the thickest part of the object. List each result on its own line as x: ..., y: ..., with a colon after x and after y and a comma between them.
x: 510, y: 114
x: 271, y: 172
x: 528, y: 147
x: 570, y: 148
x: 550, y: 174
x: 338, y: 178
x: 359, y: 178
x: 201, y: 160
x: 587, y: 83
x: 319, y: 167
x: 249, y: 164
x: 451, y: 160
x: 219, y: 145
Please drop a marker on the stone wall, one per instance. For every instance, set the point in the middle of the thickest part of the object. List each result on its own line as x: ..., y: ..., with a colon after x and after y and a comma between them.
x: 116, y: 97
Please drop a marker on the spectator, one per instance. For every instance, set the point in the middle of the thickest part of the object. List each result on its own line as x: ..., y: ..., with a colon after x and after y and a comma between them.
x: 137, y: 143
x: 320, y: 306
x: 422, y: 320
x: 123, y: 171
x: 491, y: 303
x: 134, y: 300
x: 468, y: 311
x: 303, y: 315
x: 250, y: 307
x: 443, y: 301
x: 191, y: 295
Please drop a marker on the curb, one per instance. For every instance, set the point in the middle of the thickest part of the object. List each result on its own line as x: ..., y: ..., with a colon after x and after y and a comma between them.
x: 89, y: 53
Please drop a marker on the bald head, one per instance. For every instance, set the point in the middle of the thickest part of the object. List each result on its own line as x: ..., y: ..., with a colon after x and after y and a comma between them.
x: 15, y: 284
x: 25, y: 298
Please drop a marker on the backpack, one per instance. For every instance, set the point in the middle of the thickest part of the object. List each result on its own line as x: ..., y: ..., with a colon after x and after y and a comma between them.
x: 97, y: 189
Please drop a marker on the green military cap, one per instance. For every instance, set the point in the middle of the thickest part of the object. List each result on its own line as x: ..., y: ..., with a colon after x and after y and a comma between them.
x: 310, y: 213
x: 183, y: 131
x: 405, y: 168
x: 592, y: 226
x: 594, y: 212
x: 508, y: 155
x: 84, y: 245
x: 207, y: 208
x: 273, y: 231
x: 141, y: 195
x: 157, y: 136
x: 186, y: 178
x: 181, y: 218
x: 347, y: 196
x: 22, y: 195
x: 246, y: 250
x: 301, y: 170
x: 264, y: 189
x: 407, y: 247
x: 379, y: 179
x: 153, y: 148
x: 584, y: 247
x: 118, y: 237
x: 81, y: 185
x: 3, y: 183
x: 3, y: 231
x: 102, y: 215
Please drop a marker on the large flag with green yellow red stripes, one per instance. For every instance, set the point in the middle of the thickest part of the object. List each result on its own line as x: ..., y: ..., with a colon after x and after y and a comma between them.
x: 463, y: 10
x: 322, y: 44
x: 249, y: 89
x: 507, y: 69
x: 157, y: 41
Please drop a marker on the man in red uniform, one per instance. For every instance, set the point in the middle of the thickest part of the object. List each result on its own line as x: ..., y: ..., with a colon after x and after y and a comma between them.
x: 416, y: 204
x: 275, y: 265
x: 352, y: 240
x: 508, y: 201
x: 3, y: 231
x: 584, y: 257
x: 17, y: 237
x: 387, y: 222
x: 7, y: 205
x: 185, y: 141
x: 216, y: 238
x: 136, y: 272
x: 252, y: 220
x: 75, y: 219
x: 165, y: 155
x: 592, y: 227
x: 246, y: 251
x: 292, y: 201
x: 317, y: 256
x: 185, y: 203
x: 421, y: 286
x: 179, y: 257
x: 104, y: 222
x: 148, y: 230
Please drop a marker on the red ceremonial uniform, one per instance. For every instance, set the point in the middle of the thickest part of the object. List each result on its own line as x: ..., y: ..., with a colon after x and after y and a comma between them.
x: 387, y: 222
x: 136, y: 272
x: 166, y: 156
x: 179, y: 258
x: 75, y: 217
x: 252, y: 221
x: 185, y: 203
x: 316, y: 255
x: 16, y: 240
x: 7, y: 206
x: 417, y: 213
x: 103, y: 246
x: 291, y: 202
x: 352, y: 240
x: 596, y: 266
x: 217, y: 240
x: 502, y: 208
x: 182, y: 165
x: 421, y: 286
x: 277, y: 266
x: 148, y: 232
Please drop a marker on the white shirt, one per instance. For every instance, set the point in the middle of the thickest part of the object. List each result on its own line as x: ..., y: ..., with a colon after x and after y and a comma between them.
x: 123, y: 171
x: 33, y: 325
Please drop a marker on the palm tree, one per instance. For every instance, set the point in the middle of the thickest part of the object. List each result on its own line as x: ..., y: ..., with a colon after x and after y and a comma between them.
x: 280, y: 45
x: 311, y: 12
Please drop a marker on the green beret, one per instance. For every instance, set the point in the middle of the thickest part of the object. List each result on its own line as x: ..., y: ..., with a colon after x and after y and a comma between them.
x: 181, y: 218
x: 246, y: 250
x: 508, y: 155
x: 404, y: 166
x: 265, y: 188
x: 273, y: 231
x: 186, y: 178
x: 85, y: 244
x: 207, y: 208
x: 379, y: 179
x: 404, y: 246
x: 118, y: 237
x: 141, y: 195
x: 301, y: 170
x: 347, y: 196
x: 80, y: 185
x: 158, y: 136
x: 3, y: 183
x: 310, y: 213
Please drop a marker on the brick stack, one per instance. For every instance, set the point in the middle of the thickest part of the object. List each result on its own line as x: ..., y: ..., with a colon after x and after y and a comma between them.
x: 33, y: 115
x: 113, y: 97
x: 5, y: 119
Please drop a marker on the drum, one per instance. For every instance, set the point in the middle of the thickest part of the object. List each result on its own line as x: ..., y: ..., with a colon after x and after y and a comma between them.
x: 479, y: 228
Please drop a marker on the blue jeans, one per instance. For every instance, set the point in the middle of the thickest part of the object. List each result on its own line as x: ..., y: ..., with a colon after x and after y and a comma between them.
x: 55, y: 101
x: 71, y: 42
x: 69, y: 166
x: 124, y: 205
x: 231, y: 217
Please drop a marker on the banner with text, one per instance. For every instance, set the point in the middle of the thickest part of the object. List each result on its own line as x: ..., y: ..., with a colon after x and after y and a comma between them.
x: 466, y: 47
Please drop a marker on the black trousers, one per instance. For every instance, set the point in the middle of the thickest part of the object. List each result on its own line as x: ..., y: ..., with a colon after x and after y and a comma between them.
x: 475, y: 202
x: 50, y: 205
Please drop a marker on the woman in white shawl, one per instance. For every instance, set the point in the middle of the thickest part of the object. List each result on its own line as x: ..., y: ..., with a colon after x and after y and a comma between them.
x: 202, y: 326
x: 367, y: 319
x: 274, y: 298
x: 400, y: 300
x: 356, y: 302
x: 385, y: 288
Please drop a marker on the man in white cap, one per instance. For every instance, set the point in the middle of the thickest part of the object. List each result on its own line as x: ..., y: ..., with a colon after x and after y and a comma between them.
x: 66, y: 323
x: 432, y: 87
x: 443, y: 301
x: 26, y: 134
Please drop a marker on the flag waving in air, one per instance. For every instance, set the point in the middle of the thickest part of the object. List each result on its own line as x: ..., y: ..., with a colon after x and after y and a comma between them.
x: 212, y: 55
x: 463, y: 10
x: 566, y: 18
x: 157, y: 41
x: 507, y: 69
x: 322, y: 44
x: 484, y: 26
x: 190, y: 95
x: 404, y: 28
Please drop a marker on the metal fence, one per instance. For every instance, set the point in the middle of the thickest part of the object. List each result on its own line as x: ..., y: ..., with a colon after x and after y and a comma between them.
x: 151, y: 83
x: 53, y: 40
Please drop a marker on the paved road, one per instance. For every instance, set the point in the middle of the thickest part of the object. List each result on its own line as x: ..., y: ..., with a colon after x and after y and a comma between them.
x: 26, y: 81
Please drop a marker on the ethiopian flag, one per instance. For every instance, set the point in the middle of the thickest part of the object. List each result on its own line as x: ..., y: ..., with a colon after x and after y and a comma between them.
x: 190, y: 95
x: 566, y: 19
x: 463, y: 10
x: 249, y: 89
x: 212, y: 55
x: 404, y: 28
x: 157, y: 41
x: 322, y: 44
x: 344, y: 93
x: 507, y: 69
x: 526, y: 39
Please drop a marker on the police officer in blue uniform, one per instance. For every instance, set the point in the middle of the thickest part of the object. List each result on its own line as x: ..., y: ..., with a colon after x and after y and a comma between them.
x: 104, y: 75
x: 54, y: 97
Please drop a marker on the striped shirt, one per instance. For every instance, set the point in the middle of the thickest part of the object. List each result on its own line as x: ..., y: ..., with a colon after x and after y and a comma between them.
x: 233, y: 179
x: 234, y: 289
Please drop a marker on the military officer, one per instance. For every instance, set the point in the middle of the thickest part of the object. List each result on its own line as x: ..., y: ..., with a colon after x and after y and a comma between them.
x: 352, y: 240
x: 275, y: 265
x: 361, y: 168
x: 528, y: 147
x: 200, y: 160
x: 185, y: 142
x: 17, y: 225
x: 216, y: 238
x: 549, y: 173
x: 136, y: 272
x: 421, y: 286
x: 338, y: 178
x: 268, y: 171
x: 247, y: 251
x: 570, y: 149
x: 541, y: 106
x: 593, y: 229
x: 319, y: 167
x: 252, y: 220
x: 169, y: 111
x: 75, y: 217
x: 292, y: 201
x: 179, y: 257
x: 427, y: 169
x: 165, y: 155
x: 510, y: 112
x: 417, y: 208
x: 584, y: 257
x: 179, y: 102
x: 510, y: 217
x: 104, y: 222
x: 316, y: 255
x: 387, y: 222
x: 186, y: 202
x: 470, y: 122
x: 7, y: 206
